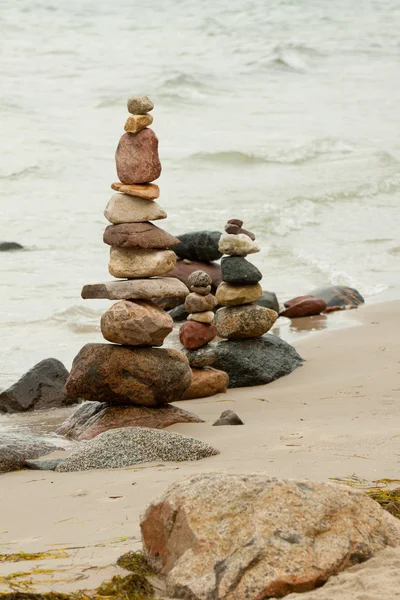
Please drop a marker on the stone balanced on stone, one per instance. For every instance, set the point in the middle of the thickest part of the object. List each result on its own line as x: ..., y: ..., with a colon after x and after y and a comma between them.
x: 131, y: 370
x: 199, y: 331
x: 239, y: 318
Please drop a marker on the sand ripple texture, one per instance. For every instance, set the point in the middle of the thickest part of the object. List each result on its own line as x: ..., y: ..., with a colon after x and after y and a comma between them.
x: 127, y: 446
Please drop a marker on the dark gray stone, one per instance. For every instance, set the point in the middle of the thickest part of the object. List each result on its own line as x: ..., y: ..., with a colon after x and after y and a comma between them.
x: 43, y: 386
x: 250, y: 362
x: 337, y: 295
x: 7, y: 246
x: 238, y: 270
x: 228, y: 417
x: 16, y: 448
x: 199, y: 245
x: 179, y: 313
x: 268, y: 300
x: 43, y: 465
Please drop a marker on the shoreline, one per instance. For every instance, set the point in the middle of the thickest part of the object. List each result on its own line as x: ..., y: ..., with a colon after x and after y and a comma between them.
x: 334, y: 417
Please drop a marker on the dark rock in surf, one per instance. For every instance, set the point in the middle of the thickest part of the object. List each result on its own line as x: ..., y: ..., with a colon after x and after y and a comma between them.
x: 199, y: 245
x: 338, y: 297
x: 7, y: 246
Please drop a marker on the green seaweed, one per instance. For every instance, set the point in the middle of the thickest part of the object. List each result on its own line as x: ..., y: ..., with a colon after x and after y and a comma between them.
x: 388, y: 499
x: 33, y: 556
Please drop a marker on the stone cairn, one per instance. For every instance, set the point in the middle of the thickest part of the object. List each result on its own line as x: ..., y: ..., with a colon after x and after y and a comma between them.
x: 131, y: 370
x: 239, y: 318
x: 197, y: 332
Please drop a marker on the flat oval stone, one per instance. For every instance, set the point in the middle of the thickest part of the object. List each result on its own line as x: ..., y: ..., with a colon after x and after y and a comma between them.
x: 137, y: 289
x: 137, y: 158
x: 148, y: 191
x: 233, y: 295
x: 136, y: 123
x: 137, y: 262
x: 303, y: 306
x: 139, y: 235
x: 193, y: 335
x: 202, y: 317
x: 195, y: 303
x: 237, y: 270
x: 244, y: 322
x: 203, y: 291
x: 122, y: 208
x: 139, y: 105
x: 137, y: 323
x: 237, y: 245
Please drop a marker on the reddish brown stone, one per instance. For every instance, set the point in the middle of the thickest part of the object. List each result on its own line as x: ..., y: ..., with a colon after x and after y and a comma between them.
x: 303, y: 307
x: 183, y: 269
x: 93, y: 418
x: 237, y: 222
x: 194, y: 335
x: 139, y: 235
x: 148, y: 191
x: 235, y: 230
x: 206, y: 382
x: 137, y: 158
x: 125, y: 375
x: 293, y: 301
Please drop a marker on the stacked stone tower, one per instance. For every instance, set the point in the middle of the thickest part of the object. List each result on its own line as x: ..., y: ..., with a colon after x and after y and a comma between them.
x: 132, y: 370
x: 240, y: 318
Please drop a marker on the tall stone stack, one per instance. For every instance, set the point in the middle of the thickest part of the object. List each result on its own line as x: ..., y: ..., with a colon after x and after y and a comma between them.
x: 239, y: 318
x: 132, y: 370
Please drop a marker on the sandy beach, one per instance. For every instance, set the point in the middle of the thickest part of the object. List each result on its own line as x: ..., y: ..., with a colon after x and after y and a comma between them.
x: 335, y: 417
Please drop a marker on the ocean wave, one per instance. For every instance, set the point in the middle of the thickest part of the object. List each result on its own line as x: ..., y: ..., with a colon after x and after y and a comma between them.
x: 16, y: 175
x: 80, y: 319
x: 183, y: 86
x: 318, y: 148
x: 288, y: 58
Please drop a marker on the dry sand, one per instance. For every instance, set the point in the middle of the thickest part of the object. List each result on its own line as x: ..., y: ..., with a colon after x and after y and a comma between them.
x: 335, y: 417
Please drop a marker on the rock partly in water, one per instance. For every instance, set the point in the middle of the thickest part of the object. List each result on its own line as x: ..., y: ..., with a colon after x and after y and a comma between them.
x: 16, y: 448
x: 201, y: 246
x: 123, y: 375
x: 137, y: 289
x: 303, y: 306
x: 7, y: 246
x: 139, y: 235
x: 338, y: 297
x: 138, y: 323
x: 260, y: 537
x: 41, y: 387
x: 237, y: 270
x: 137, y: 262
x: 193, y: 334
x: 137, y: 157
x: 43, y: 465
x: 120, y: 448
x: 268, y: 300
x: 122, y: 208
x: 235, y: 295
x: 228, y: 417
x: 206, y: 382
x: 93, y: 418
x: 184, y: 268
x: 249, y: 362
x: 244, y: 322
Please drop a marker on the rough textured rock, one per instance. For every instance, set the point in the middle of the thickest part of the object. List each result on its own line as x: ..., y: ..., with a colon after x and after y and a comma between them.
x: 122, y: 208
x: 202, y: 317
x: 7, y: 246
x: 92, y: 418
x: 303, y: 306
x: 137, y: 262
x: 193, y: 334
x: 237, y: 245
x: 120, y: 448
x: 185, y: 267
x: 243, y: 322
x: 249, y: 362
x: 137, y: 158
x: 228, y: 417
x: 136, y: 123
x: 139, y: 235
x: 237, y: 270
x: 43, y: 465
x: 16, y: 448
x: 260, y: 537
x: 139, y: 105
x: 138, y: 323
x: 137, y: 289
x: 269, y: 300
x: 203, y: 291
x: 43, y: 386
x: 199, y: 279
x: 148, y: 191
x: 197, y: 303
x: 339, y: 297
x: 179, y: 313
x: 199, y: 245
x: 121, y: 375
x: 206, y: 382
x: 233, y: 295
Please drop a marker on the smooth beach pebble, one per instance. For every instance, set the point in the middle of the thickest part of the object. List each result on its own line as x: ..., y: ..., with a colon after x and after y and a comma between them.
x: 237, y: 270
x: 232, y: 295
x: 205, y: 383
x: 303, y: 306
x: 196, y: 303
x: 137, y: 262
x: 194, y: 335
x: 122, y: 208
x: 237, y: 245
x: 244, y: 322
x: 199, y: 279
x: 203, y: 291
x: 136, y: 123
x: 139, y: 235
x: 148, y: 191
x: 202, y: 317
x: 139, y: 105
x: 136, y: 157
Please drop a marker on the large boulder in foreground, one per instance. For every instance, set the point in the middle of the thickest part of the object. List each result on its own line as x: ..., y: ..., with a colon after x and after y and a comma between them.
x: 124, y: 375
x: 120, y: 448
x: 249, y: 362
x: 199, y: 245
x: 338, y: 297
x: 92, y: 418
x: 43, y: 386
x: 260, y: 537
x: 16, y: 448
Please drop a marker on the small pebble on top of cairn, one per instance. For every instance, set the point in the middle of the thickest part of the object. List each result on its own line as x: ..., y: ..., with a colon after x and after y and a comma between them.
x: 198, y: 331
x: 131, y: 370
x: 239, y: 318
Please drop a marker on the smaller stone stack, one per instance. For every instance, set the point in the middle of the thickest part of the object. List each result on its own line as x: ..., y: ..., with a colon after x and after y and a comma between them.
x: 240, y: 318
x: 197, y: 332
